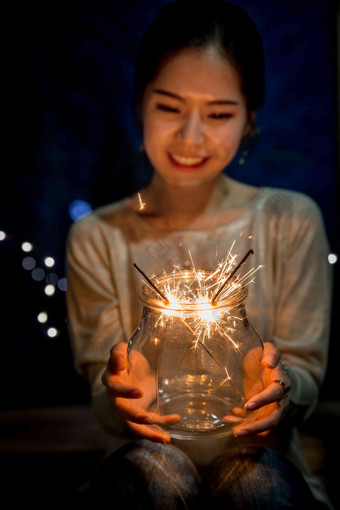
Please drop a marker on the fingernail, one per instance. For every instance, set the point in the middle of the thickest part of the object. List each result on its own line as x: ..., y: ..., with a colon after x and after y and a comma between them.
x: 136, y: 394
x: 121, y: 362
x: 240, y: 433
x: 146, y: 420
x: 250, y: 406
x: 162, y: 440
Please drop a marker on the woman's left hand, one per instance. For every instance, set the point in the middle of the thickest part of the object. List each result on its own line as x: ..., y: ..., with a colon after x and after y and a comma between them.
x: 271, y: 401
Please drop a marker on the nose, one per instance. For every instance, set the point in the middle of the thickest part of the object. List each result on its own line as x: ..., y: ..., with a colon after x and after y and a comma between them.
x: 191, y: 130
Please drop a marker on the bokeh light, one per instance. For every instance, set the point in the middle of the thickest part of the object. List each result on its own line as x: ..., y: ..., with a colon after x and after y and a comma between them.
x: 38, y: 274
x: 49, y: 290
x: 62, y: 284
x: 28, y: 263
x: 26, y: 246
x: 52, y: 278
x: 49, y: 261
x: 43, y: 317
x: 52, y: 332
x: 78, y: 209
x: 2, y: 235
x: 332, y: 258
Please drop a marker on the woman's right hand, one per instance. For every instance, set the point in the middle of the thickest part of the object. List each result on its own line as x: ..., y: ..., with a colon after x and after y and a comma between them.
x: 131, y: 388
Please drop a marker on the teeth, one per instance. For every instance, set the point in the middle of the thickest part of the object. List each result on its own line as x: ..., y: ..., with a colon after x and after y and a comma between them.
x: 187, y: 161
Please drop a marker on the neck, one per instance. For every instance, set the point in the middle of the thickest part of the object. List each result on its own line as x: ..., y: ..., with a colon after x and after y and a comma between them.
x: 179, y: 202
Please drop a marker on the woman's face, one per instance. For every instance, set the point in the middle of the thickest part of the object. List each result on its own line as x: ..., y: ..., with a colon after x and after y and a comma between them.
x: 194, y: 116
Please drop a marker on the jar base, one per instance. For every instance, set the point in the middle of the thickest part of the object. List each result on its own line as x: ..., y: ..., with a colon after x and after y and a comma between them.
x: 201, y: 414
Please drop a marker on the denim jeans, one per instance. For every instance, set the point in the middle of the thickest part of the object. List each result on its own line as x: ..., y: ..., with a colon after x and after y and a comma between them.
x: 145, y: 475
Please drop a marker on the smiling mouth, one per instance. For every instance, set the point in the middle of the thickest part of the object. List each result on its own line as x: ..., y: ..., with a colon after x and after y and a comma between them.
x: 187, y: 161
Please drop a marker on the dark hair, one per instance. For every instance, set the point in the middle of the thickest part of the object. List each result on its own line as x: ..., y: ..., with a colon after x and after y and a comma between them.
x: 200, y: 24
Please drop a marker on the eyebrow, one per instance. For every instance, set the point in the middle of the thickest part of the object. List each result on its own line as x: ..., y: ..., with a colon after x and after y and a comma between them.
x: 176, y: 96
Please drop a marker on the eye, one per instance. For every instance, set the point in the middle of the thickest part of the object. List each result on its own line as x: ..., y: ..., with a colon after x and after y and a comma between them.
x: 166, y: 108
x: 221, y: 116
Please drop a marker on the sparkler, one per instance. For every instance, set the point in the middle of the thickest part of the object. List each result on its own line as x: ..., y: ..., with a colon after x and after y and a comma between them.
x: 152, y: 285
x: 205, y: 317
x: 231, y: 275
x: 173, y: 294
x: 141, y: 203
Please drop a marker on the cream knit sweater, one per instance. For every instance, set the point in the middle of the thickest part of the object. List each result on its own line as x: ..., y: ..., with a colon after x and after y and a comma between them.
x: 289, y: 303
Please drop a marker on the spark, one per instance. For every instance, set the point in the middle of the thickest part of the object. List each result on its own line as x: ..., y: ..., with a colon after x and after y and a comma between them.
x: 190, y: 295
x: 141, y: 203
x: 231, y: 275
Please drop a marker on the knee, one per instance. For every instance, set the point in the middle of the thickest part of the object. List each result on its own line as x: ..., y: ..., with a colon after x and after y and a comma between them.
x: 256, y: 478
x: 147, y: 475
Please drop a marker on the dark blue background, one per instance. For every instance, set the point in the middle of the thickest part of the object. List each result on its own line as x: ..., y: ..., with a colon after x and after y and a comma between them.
x: 73, y: 136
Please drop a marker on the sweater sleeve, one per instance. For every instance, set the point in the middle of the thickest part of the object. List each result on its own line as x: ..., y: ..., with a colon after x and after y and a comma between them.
x: 303, y: 304
x: 93, y: 314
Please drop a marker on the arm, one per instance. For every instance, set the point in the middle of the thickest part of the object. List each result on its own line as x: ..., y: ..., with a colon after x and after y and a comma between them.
x: 93, y: 314
x: 119, y: 387
x: 301, y: 319
x: 303, y: 307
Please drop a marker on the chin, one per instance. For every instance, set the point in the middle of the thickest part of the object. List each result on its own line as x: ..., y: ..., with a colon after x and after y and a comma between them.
x: 192, y: 182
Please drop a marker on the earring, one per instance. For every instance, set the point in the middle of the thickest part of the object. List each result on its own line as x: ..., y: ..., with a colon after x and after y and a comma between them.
x: 243, y: 157
x: 247, y: 143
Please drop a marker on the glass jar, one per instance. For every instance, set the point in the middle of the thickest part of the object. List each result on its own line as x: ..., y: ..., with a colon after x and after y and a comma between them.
x: 198, y: 359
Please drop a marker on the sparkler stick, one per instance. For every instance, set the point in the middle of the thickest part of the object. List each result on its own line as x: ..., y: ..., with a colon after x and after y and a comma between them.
x: 231, y: 275
x: 153, y: 285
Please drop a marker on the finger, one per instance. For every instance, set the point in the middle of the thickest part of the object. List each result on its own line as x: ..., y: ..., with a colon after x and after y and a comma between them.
x: 271, y: 355
x: 237, y: 415
x: 132, y: 411
x: 120, y: 348
x: 261, y: 426
x: 231, y: 419
x: 168, y: 419
x: 117, y: 362
x: 153, y: 433
x: 116, y: 389
x: 238, y: 411
x: 135, y: 413
x: 273, y: 393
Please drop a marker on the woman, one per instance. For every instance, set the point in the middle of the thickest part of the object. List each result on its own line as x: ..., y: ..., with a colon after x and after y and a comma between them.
x: 199, y: 82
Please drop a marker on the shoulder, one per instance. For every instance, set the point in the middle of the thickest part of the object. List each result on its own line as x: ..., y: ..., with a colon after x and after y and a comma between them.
x: 284, y: 203
x: 294, y: 218
x: 100, y: 222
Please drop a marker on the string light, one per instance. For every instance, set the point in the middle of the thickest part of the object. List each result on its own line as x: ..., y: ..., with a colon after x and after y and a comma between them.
x: 51, y: 281
x: 52, y: 278
x: 52, y: 332
x: 43, y: 317
x: 49, y: 290
x: 49, y: 261
x: 332, y: 258
x: 26, y: 246
x: 28, y: 263
x: 38, y: 274
x: 62, y: 284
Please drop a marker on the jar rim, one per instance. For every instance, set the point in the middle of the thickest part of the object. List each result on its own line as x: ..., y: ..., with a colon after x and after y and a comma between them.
x: 232, y: 296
